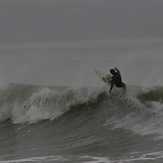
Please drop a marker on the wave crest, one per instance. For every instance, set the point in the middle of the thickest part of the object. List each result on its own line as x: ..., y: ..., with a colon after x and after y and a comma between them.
x: 27, y: 103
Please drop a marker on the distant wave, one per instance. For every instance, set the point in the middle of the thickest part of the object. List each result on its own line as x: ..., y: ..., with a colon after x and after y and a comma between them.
x: 152, y: 94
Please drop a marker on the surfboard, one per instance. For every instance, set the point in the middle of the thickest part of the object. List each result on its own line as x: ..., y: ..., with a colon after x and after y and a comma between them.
x: 104, y: 76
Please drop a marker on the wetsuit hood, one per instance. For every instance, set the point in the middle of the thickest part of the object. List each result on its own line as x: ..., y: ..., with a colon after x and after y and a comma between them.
x: 112, y: 71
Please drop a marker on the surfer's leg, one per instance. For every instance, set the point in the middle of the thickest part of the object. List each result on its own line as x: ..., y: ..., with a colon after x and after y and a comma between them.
x: 124, y: 87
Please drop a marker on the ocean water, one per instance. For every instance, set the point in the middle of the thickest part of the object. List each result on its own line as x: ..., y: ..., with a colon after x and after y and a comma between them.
x: 53, y: 107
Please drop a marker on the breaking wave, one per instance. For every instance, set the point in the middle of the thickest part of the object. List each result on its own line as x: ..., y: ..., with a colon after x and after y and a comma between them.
x: 28, y: 103
x: 135, y: 111
x: 83, y: 121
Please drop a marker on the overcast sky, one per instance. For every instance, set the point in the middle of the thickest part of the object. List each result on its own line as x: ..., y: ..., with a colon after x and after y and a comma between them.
x: 27, y: 20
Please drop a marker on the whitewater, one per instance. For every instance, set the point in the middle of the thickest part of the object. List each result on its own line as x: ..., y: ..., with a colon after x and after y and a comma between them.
x: 53, y: 107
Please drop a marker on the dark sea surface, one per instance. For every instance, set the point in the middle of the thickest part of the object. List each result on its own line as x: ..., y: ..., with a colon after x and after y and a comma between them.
x: 53, y: 107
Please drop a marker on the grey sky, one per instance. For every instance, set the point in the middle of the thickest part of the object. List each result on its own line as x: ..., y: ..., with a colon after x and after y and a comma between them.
x: 27, y: 20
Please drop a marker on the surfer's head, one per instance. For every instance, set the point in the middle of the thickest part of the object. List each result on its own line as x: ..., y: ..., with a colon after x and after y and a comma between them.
x: 112, y: 71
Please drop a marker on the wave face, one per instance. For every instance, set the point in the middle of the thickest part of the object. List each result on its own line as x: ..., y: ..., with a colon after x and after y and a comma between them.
x: 88, y: 124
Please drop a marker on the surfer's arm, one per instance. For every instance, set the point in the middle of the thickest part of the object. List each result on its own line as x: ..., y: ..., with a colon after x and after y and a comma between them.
x: 116, y: 69
x: 111, y: 87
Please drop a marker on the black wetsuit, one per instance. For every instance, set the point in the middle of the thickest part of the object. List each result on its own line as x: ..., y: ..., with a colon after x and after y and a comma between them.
x: 117, y: 80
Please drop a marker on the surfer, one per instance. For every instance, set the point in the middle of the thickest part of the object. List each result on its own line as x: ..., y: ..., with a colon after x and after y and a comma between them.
x: 116, y: 79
